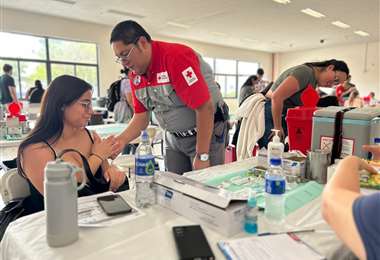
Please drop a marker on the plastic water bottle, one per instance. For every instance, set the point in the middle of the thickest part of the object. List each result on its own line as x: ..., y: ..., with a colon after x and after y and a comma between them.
x: 275, y: 185
x: 250, y: 217
x: 145, y: 167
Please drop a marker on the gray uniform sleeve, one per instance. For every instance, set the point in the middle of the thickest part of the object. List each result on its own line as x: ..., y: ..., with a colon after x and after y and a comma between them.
x: 303, y: 74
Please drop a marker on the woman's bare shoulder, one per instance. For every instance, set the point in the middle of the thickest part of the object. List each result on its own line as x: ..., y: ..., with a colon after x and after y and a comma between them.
x: 37, y: 150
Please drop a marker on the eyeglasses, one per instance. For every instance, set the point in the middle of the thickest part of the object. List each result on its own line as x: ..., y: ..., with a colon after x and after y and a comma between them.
x: 125, y: 58
x: 338, y: 80
x: 86, y: 104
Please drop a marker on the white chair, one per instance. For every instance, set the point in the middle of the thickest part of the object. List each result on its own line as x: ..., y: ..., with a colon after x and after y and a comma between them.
x: 13, y: 186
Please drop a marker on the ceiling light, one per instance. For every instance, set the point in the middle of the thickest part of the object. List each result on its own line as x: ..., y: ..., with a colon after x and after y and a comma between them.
x: 313, y: 13
x: 340, y: 24
x: 70, y: 2
x: 219, y: 34
x: 249, y: 40
x: 180, y: 25
x: 284, y: 2
x: 127, y: 14
x: 362, y: 33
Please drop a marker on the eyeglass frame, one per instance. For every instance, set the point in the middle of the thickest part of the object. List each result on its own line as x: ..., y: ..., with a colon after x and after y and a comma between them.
x: 86, y: 104
x: 122, y: 58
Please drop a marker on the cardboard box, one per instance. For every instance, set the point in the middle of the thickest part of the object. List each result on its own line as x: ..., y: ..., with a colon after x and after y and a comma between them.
x: 200, y: 203
x: 293, y: 162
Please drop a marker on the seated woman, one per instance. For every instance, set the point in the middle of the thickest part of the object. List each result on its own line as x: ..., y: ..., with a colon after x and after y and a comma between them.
x: 248, y: 88
x: 65, y: 111
x: 354, y: 216
x: 34, y: 94
x: 286, y: 91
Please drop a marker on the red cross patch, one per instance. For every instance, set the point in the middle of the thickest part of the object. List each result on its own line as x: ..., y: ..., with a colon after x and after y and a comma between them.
x: 189, y: 76
x: 163, y: 77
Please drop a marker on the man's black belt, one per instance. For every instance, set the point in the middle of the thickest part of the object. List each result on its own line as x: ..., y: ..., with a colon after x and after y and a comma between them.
x: 187, y: 133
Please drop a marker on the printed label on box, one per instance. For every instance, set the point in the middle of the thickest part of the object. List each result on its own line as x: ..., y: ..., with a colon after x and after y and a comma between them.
x: 347, y: 147
x: 326, y: 144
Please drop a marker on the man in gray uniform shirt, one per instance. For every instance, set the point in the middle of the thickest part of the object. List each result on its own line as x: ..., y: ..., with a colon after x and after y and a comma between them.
x: 174, y: 82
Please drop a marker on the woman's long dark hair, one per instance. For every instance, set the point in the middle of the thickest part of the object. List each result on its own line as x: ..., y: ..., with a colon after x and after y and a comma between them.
x: 338, y: 65
x: 251, y: 78
x: 62, y: 92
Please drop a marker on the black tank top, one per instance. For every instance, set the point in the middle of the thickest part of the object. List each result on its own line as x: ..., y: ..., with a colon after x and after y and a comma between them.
x: 35, y: 202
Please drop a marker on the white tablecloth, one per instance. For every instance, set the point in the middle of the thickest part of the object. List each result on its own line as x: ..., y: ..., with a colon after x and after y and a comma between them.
x: 148, y: 237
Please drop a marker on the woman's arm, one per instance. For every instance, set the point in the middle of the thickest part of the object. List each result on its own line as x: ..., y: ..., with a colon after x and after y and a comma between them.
x: 338, y: 198
x: 286, y: 89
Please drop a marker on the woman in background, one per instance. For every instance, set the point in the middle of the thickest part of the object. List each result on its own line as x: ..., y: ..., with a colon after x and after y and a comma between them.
x: 248, y: 88
x: 286, y: 91
x: 34, y: 94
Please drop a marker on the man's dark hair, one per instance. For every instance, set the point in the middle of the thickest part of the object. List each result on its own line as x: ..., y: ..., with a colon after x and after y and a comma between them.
x: 128, y: 32
x: 7, y: 68
x: 260, y: 72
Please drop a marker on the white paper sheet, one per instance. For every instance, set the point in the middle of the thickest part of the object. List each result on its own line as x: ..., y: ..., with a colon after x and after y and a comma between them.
x: 268, y: 247
x: 90, y: 214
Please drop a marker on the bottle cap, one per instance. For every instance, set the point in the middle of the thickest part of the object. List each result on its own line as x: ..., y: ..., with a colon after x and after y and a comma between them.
x: 144, y: 135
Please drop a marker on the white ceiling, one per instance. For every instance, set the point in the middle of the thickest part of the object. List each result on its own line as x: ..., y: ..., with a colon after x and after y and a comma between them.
x: 251, y: 24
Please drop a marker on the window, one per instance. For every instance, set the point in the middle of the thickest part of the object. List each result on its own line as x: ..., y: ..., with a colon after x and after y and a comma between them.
x: 79, y: 52
x: 61, y: 69
x: 22, y: 46
x: 225, y: 66
x: 44, y: 58
x: 231, y: 74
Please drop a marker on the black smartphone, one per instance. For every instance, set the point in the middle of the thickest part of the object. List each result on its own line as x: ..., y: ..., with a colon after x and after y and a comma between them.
x: 114, y: 204
x: 192, y: 243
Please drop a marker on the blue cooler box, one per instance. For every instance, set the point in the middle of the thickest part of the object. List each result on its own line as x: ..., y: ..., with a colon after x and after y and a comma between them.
x: 357, y: 125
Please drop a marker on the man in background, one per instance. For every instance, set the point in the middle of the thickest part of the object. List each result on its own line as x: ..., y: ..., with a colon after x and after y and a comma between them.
x: 7, y: 86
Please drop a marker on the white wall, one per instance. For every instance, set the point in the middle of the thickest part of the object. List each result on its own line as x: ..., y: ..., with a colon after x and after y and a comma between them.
x: 362, y: 59
x: 44, y: 25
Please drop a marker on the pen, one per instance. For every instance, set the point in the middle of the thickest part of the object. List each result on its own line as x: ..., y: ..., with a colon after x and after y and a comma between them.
x: 286, y: 232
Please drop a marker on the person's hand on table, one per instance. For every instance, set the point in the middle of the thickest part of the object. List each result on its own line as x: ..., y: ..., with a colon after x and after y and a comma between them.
x: 115, y: 177
x: 364, y: 165
x: 374, y: 149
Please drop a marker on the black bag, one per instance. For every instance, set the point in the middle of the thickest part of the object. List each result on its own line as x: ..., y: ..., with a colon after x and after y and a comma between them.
x: 113, y: 95
x: 12, y: 211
